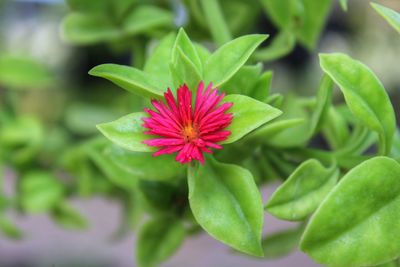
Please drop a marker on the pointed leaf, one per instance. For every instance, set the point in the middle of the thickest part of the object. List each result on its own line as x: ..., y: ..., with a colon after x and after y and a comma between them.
x: 226, y: 202
x: 389, y: 15
x: 357, y: 223
x: 127, y: 132
x: 364, y: 94
x: 158, y: 240
x: 228, y: 59
x: 130, y: 79
x: 248, y: 114
x: 303, y: 191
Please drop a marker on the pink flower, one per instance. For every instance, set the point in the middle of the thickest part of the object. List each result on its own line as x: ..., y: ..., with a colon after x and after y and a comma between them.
x: 185, y: 130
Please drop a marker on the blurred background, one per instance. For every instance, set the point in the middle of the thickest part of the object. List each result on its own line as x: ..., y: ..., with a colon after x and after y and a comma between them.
x: 49, y: 107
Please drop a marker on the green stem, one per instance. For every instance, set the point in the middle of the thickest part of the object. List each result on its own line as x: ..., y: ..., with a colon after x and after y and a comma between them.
x: 216, y: 21
x: 138, y: 54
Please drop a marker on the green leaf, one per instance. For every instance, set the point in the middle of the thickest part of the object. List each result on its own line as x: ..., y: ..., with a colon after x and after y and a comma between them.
x: 343, y: 4
x: 228, y: 59
x: 183, y: 71
x: 130, y: 79
x: 188, y: 49
x: 281, y: 243
x: 127, y: 132
x: 279, y: 12
x: 281, y: 46
x: 248, y: 114
x: 68, y: 217
x: 117, y: 175
x: 226, y: 202
x: 261, y: 89
x: 274, y: 128
x: 158, y: 239
x: 314, y: 15
x: 303, y: 191
x: 85, y: 29
x: 145, y: 18
x: 389, y: 15
x: 40, y: 191
x: 8, y: 228
x: 144, y: 166
x: 357, y: 223
x: 243, y: 81
x: 23, y: 72
x: 158, y: 63
x: 364, y: 94
x: 216, y: 21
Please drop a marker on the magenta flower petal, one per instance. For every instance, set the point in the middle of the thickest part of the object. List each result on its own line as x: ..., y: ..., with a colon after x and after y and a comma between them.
x: 178, y: 127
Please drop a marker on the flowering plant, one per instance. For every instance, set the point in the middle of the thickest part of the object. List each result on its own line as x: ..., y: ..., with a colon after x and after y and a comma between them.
x: 201, y: 134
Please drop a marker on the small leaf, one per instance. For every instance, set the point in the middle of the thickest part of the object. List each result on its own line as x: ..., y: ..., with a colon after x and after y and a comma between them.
x: 357, y: 223
x: 68, y: 217
x: 243, y: 81
x: 188, y: 49
x: 158, y: 239
x: 389, y: 15
x: 364, y: 94
x: 303, y: 191
x: 226, y: 202
x: 183, y: 71
x: 130, y: 79
x: 117, y: 175
x: 216, y: 21
x: 281, y: 243
x: 158, y: 63
x: 142, y: 165
x: 248, y: 114
x: 144, y: 18
x: 280, y: 46
x: 127, y: 132
x: 85, y: 29
x: 40, y: 191
x: 262, y: 88
x: 228, y: 59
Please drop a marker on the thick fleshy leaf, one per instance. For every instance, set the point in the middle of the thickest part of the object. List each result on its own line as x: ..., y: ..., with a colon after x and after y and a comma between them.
x: 127, y: 132
x: 281, y: 243
x: 143, y: 165
x: 357, y: 223
x: 131, y: 79
x: 243, y: 81
x: 87, y: 29
x: 389, y: 15
x: 226, y: 202
x: 228, y: 59
x: 158, y: 63
x: 158, y: 239
x: 305, y: 18
x: 40, y: 191
x: 262, y: 88
x: 188, y: 49
x: 280, y: 46
x: 303, y: 191
x: 95, y: 149
x: 248, y: 114
x: 183, y: 71
x: 364, y: 94
x: 216, y: 21
x: 144, y: 18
